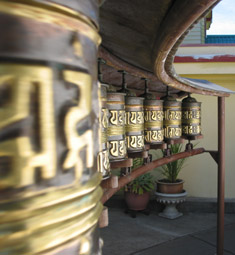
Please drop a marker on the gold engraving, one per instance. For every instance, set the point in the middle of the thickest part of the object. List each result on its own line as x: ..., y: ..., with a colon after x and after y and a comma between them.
x: 191, y: 130
x: 78, y: 51
x: 76, y: 142
x: 122, y: 148
x: 140, y: 117
x: 154, y: 135
x: 191, y: 114
x: 172, y: 132
x: 24, y: 80
x: 117, y: 118
x: 121, y: 117
x: 135, y: 142
x: 117, y: 148
x: 172, y: 115
x: 140, y: 141
x: 153, y: 116
x: 114, y: 148
x: 147, y: 115
x: 103, y: 162
x: 104, y: 118
x: 134, y: 117
x: 114, y: 117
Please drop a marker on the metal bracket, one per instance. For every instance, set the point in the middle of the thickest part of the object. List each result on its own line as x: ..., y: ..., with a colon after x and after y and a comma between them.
x: 214, y: 155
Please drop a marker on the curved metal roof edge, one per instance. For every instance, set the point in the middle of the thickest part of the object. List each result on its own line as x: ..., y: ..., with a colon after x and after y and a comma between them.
x: 167, y: 46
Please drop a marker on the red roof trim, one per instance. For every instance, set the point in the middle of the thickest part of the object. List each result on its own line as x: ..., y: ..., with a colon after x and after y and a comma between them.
x: 188, y: 59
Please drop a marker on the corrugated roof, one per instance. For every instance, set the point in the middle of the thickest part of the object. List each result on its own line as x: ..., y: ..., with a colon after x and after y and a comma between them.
x: 217, y: 39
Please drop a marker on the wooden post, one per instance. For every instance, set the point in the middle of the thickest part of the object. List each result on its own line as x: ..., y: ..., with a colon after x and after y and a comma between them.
x: 221, y: 175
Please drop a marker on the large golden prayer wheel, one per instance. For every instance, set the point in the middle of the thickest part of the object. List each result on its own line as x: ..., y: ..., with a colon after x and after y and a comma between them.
x: 153, y: 121
x: 134, y: 123
x: 191, y: 116
x: 172, y: 118
x: 49, y: 184
x: 116, y: 126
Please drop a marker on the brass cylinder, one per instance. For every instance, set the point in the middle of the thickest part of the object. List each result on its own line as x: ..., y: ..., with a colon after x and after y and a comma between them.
x: 103, y: 157
x: 49, y: 184
x: 134, y: 123
x: 191, y: 117
x: 153, y: 121
x: 116, y: 126
x: 172, y: 118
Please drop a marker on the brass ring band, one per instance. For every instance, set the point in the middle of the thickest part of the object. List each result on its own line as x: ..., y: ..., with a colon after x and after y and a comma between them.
x: 53, y: 14
x: 134, y: 128
x: 63, y: 213
x: 156, y: 124
x: 116, y: 130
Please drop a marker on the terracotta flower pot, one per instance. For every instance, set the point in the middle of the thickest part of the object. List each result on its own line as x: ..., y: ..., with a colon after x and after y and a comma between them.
x: 137, y: 202
x: 170, y: 188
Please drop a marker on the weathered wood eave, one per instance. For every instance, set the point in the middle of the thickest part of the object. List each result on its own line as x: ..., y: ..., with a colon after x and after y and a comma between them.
x: 173, y: 28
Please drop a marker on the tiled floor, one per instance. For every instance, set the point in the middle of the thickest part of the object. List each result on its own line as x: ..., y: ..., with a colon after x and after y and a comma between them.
x: 192, y: 234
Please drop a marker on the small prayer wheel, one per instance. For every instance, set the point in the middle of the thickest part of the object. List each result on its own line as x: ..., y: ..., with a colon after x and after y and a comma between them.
x: 153, y: 118
x: 172, y: 118
x: 116, y: 125
x: 134, y: 118
x: 191, y: 116
x: 103, y: 156
x: 134, y: 123
x: 153, y: 121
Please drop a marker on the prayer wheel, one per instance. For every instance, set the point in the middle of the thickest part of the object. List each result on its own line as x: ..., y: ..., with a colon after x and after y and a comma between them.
x: 116, y: 126
x: 103, y: 156
x: 134, y: 118
x: 153, y: 118
x: 172, y: 118
x: 191, y: 116
x: 153, y: 121
x: 134, y: 123
x: 49, y: 184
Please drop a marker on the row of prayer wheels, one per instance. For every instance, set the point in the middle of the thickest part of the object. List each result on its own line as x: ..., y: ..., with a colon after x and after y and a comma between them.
x: 129, y: 122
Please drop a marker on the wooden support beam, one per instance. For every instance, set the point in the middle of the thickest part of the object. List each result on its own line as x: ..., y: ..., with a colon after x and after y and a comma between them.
x: 141, y: 154
x: 174, y: 141
x: 192, y: 138
x: 148, y: 167
x: 128, y: 162
x: 161, y: 146
x: 104, y: 218
x: 111, y: 182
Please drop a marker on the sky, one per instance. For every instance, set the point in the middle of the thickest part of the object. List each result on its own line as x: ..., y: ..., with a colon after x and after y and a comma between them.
x: 223, y: 18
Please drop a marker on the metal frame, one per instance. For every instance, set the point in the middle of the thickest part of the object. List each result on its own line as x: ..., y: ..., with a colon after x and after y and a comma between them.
x: 221, y: 175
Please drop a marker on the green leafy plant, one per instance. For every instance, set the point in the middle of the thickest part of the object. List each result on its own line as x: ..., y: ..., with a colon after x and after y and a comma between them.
x: 171, y: 170
x: 143, y: 183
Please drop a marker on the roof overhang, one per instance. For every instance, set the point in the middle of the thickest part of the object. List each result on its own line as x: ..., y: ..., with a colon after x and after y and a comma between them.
x: 142, y: 38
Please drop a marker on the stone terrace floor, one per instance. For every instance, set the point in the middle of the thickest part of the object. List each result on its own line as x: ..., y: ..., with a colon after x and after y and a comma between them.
x: 191, y: 234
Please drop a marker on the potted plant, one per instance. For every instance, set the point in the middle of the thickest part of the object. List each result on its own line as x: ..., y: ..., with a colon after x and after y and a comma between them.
x: 170, y: 184
x: 170, y: 189
x: 137, y: 192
